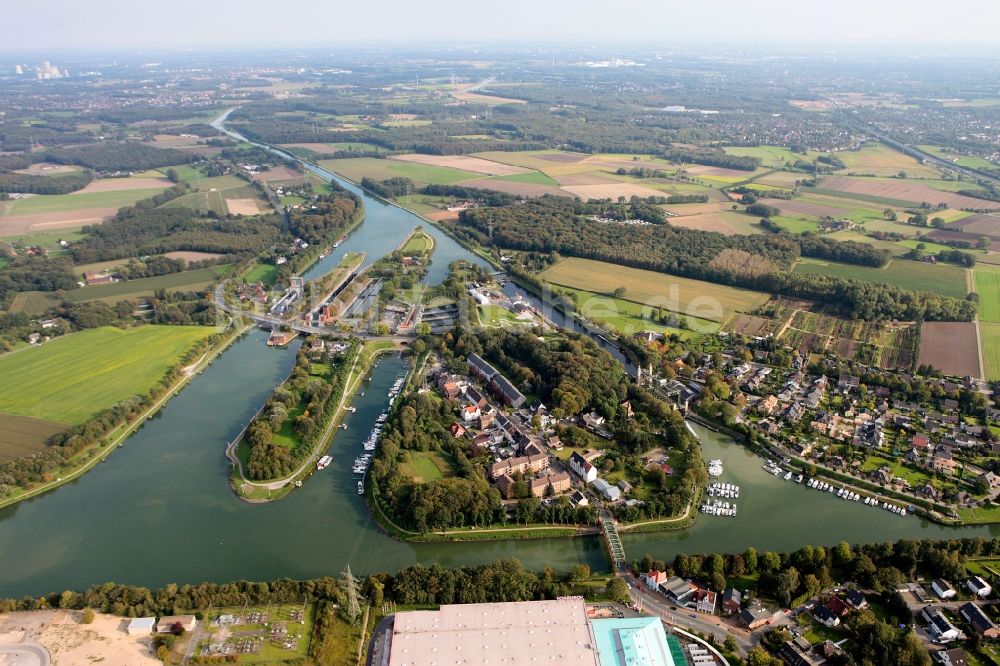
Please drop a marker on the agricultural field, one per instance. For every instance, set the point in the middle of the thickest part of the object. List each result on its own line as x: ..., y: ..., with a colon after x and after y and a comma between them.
x: 463, y: 163
x: 73, y: 377
x: 195, y: 280
x: 724, y: 221
x: 893, y: 192
x: 356, y: 168
x: 102, y: 196
x: 987, y: 279
x: 950, y: 347
x: 23, y: 435
x: 221, y: 195
x: 627, y: 317
x: 990, y: 343
x: 967, y: 161
x: 702, y: 300
x: 881, y: 160
x: 753, y: 326
x: 772, y: 156
x: 979, y: 225
x: 34, y: 303
x: 943, y: 279
x: 426, y: 466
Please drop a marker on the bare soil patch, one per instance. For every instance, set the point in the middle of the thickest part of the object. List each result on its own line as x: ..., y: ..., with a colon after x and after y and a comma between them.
x: 950, y: 346
x: 612, y: 191
x: 120, y: 184
x: 14, y: 225
x: 192, y: 255
x: 476, y: 98
x: 522, y: 189
x: 242, y: 206
x: 695, y: 209
x: 442, y: 215
x: 278, y: 173
x: 23, y: 435
x: 47, y: 169
x: 979, y: 224
x: 585, y: 179
x: 463, y: 163
x: 702, y: 170
x: 71, y: 643
x: 563, y: 158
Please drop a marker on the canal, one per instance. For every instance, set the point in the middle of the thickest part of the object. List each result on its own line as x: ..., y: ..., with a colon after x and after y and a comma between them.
x: 160, y: 510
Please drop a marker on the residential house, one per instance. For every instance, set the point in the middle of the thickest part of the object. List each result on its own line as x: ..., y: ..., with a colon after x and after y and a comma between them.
x: 979, y: 587
x: 856, y: 600
x: 451, y: 390
x: 943, y: 589
x: 838, y: 606
x: 791, y: 655
x: 578, y: 498
x: 559, y: 483
x: 505, y: 485
x: 731, y: 599
x: 625, y: 486
x: 520, y: 464
x: 768, y: 405
x: 939, y: 627
x: 499, y: 384
x: 654, y: 579
x: 678, y: 589
x: 474, y: 397
x: 975, y: 616
x: 470, y: 413
x: 582, y: 467
x: 825, y: 616
x: 457, y: 430
x: 555, y: 443
x: 704, y: 601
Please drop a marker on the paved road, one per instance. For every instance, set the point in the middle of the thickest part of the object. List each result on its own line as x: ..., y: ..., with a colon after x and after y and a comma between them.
x: 24, y: 654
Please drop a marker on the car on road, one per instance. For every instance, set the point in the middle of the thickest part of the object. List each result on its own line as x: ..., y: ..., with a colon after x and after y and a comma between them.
x: 693, y: 615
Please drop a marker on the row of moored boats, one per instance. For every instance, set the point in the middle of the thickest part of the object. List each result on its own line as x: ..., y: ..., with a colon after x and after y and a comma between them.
x: 850, y: 495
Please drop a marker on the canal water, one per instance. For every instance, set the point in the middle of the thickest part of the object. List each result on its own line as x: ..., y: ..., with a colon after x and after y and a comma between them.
x: 160, y: 510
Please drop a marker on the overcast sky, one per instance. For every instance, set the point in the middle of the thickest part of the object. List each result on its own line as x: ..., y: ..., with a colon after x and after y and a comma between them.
x: 97, y: 24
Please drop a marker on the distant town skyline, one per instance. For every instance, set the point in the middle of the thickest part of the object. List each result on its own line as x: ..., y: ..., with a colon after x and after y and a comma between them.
x: 115, y: 24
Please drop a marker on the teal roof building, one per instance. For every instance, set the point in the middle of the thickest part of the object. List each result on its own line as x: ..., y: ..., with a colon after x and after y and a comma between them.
x: 637, y: 641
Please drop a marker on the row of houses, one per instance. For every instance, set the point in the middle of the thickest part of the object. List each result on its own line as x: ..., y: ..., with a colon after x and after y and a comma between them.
x: 495, y: 381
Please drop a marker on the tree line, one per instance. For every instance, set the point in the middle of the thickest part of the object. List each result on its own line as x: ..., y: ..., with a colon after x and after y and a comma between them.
x: 11, y: 181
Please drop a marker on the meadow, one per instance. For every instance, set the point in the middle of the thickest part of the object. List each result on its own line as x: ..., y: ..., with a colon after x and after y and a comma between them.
x: 356, y: 168
x: 989, y: 333
x: 987, y: 280
x: 943, y: 279
x: 417, y: 243
x: 772, y: 156
x: 627, y: 318
x: 426, y: 466
x: 73, y: 377
x: 703, y: 300
x: 195, y: 280
x: 62, y: 203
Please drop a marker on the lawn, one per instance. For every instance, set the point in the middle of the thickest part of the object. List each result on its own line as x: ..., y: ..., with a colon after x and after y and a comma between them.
x: 417, y: 243
x: 986, y: 514
x: 627, y: 317
x: 426, y: 466
x: 988, y: 287
x: 61, y: 203
x: 75, y: 376
x: 943, y: 279
x: 696, y: 298
x: 914, y: 476
x: 990, y: 334
x: 266, y: 273
x: 195, y: 280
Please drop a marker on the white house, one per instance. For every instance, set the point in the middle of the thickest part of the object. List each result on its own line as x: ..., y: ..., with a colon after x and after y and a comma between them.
x: 654, y: 578
x: 943, y: 589
x: 606, y: 490
x: 979, y: 587
x: 471, y: 413
x: 141, y: 626
x: 584, y: 469
x: 939, y: 626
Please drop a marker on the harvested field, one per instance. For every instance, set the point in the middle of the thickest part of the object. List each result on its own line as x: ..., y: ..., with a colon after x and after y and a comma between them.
x: 946, y: 236
x: 22, y: 435
x: 705, y: 222
x: 752, y: 326
x: 980, y: 225
x: 47, y: 169
x: 242, y: 206
x: 883, y: 160
x: 465, y: 163
x: 279, y: 173
x: 784, y: 179
x: 611, y: 191
x: 191, y: 255
x: 15, y: 225
x: 442, y: 215
x: 476, y: 98
x: 695, y: 208
x: 700, y: 299
x: 119, y: 184
x: 585, y: 179
x: 717, y: 172
x: 950, y: 347
x: 805, y: 208
x: 511, y: 187
x: 899, y: 190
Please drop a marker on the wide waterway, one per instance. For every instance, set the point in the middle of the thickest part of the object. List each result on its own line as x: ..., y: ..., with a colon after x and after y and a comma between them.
x: 160, y: 510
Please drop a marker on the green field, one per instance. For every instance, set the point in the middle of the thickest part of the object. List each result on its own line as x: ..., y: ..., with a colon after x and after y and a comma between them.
x: 266, y: 273
x: 417, y: 243
x: 61, y: 203
x: 696, y: 298
x: 72, y: 377
x: 627, y: 318
x: 771, y: 156
x: 988, y: 287
x: 881, y: 160
x: 34, y: 302
x: 990, y: 333
x: 195, y: 280
x: 967, y: 161
x: 426, y: 466
x: 943, y: 279
x: 356, y: 168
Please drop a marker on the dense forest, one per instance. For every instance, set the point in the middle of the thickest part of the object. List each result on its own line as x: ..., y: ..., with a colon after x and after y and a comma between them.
x: 11, y: 181
x: 569, y: 374
x: 110, y: 156
x: 552, y: 224
x: 326, y: 217
x: 27, y: 273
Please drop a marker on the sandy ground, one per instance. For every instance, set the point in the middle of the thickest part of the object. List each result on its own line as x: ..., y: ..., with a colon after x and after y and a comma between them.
x: 485, y: 99
x: 191, y: 255
x: 46, y: 169
x: 73, y: 644
x: 118, y: 184
x: 442, y: 215
x: 242, y: 206
x: 704, y: 222
x: 612, y: 191
x: 13, y: 225
x: 463, y: 162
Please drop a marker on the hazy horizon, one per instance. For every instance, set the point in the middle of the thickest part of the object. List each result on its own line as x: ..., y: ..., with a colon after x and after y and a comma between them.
x: 217, y: 24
